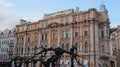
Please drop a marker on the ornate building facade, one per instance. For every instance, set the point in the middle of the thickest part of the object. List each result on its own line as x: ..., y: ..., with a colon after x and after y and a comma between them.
x: 88, y: 30
x: 118, y: 46
x: 113, y: 46
x: 7, y: 45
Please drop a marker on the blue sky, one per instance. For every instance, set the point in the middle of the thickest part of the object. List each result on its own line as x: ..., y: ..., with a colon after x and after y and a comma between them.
x: 11, y: 11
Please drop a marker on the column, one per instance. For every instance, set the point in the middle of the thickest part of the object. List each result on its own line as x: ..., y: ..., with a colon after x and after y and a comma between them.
x: 39, y: 39
x: 105, y: 39
x: 39, y: 45
x: 24, y: 44
x: 92, y: 45
x: 49, y: 38
x: 71, y: 35
x: 59, y: 37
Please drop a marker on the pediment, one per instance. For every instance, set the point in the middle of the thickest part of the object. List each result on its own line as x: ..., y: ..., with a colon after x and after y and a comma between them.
x: 53, y: 24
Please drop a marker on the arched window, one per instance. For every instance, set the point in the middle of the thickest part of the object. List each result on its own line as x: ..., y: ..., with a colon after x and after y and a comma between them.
x: 86, y: 47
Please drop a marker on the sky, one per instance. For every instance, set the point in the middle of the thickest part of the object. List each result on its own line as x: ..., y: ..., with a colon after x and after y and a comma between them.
x: 11, y: 11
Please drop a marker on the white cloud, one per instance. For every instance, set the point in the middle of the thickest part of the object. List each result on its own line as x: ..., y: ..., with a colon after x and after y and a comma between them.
x: 8, y: 21
x: 32, y: 19
x: 5, y: 4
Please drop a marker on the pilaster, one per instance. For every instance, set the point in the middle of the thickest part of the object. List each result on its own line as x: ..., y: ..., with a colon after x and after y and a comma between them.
x: 71, y: 35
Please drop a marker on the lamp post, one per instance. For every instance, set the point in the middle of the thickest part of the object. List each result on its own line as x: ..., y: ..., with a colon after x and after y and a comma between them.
x: 73, y: 51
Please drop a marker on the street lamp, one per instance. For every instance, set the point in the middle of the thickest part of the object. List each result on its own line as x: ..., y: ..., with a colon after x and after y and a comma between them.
x: 73, y: 51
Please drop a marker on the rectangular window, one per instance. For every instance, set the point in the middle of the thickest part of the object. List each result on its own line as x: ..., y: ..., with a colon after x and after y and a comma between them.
x: 63, y: 46
x: 76, y: 33
x: 28, y: 39
x: 85, y: 32
x: 45, y: 36
x: 44, y: 24
x: 42, y: 36
x: 22, y: 39
x: 86, y: 47
x: 53, y: 36
x: 102, y: 33
x: 103, y: 48
x: 66, y: 34
x: 67, y: 47
x: 62, y: 34
x: 35, y: 37
x: 80, y: 49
